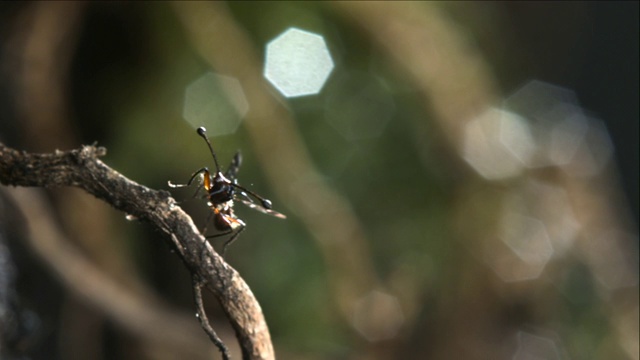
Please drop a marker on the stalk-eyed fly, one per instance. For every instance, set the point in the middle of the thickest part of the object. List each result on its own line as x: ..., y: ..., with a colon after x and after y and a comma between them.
x: 221, y: 191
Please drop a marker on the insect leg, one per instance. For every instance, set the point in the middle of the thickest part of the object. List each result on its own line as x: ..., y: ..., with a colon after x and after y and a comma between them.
x: 232, y: 239
x: 204, y: 230
x: 220, y: 234
x: 195, y: 174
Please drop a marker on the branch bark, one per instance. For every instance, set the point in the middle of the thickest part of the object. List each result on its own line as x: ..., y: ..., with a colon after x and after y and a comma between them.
x: 82, y: 168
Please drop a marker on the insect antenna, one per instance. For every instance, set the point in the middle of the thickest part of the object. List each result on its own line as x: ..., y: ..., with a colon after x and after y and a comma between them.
x: 203, y: 133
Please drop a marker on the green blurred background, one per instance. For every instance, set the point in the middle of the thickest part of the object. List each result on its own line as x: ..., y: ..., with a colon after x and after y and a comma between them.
x: 396, y: 246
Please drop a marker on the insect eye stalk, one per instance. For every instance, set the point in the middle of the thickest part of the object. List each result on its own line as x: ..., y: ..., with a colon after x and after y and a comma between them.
x: 203, y: 133
x: 267, y: 204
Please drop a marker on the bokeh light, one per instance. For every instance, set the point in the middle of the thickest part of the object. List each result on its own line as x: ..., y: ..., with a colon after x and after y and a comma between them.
x: 360, y: 106
x: 216, y: 102
x: 594, y: 152
x: 298, y: 63
x: 378, y: 316
x: 534, y: 347
x: 612, y: 267
x: 450, y: 171
x: 498, y: 144
x: 528, y: 239
x: 537, y: 224
x: 565, y: 135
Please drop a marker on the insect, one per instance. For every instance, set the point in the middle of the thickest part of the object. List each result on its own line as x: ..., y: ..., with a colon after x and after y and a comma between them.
x: 221, y: 192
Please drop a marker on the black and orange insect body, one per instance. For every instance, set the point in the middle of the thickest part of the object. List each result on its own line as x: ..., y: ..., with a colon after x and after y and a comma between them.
x: 221, y: 191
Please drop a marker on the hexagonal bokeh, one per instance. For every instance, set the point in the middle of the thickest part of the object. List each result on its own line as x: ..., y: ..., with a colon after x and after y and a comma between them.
x: 378, y: 316
x: 565, y: 136
x: 216, y: 102
x: 532, y: 346
x: 537, y: 225
x: 613, y: 267
x: 594, y: 150
x: 522, y: 251
x: 551, y: 205
x: 498, y: 144
x: 527, y: 237
x: 359, y: 106
x: 537, y: 99
x: 298, y: 63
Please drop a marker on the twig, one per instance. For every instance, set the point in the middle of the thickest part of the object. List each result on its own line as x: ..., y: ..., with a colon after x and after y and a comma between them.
x: 204, y: 320
x: 82, y: 168
x: 160, y: 328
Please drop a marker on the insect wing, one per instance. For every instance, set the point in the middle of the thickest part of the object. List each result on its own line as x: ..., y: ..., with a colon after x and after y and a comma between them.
x: 232, y: 171
x: 262, y: 209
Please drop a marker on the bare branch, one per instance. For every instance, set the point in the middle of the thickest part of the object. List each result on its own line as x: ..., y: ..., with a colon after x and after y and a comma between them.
x: 204, y: 321
x: 159, y: 327
x: 82, y: 168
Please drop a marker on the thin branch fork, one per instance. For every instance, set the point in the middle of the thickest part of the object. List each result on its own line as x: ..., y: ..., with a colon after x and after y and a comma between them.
x: 82, y: 168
